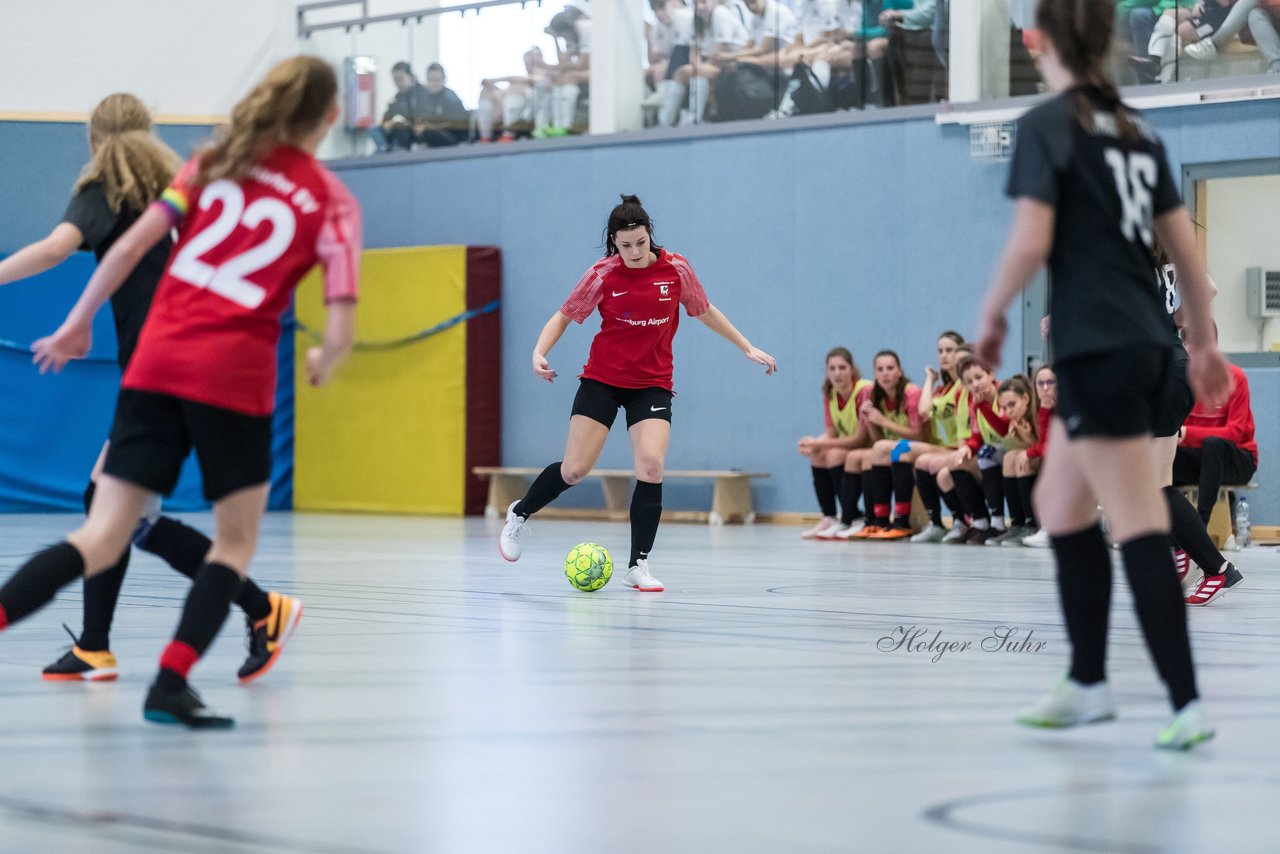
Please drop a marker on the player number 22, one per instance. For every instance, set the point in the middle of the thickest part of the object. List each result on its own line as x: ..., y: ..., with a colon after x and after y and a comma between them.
x: 228, y: 279
x: 1135, y: 175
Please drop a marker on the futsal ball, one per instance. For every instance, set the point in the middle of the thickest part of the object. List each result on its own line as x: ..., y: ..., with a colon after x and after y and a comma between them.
x: 588, y: 567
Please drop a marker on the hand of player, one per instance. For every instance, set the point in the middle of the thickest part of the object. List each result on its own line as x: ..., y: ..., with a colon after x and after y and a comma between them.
x: 71, y: 341
x: 930, y: 375
x: 991, y: 341
x: 760, y: 357
x: 320, y: 367
x: 541, y: 369
x: 1209, y: 375
x: 963, y: 455
x: 807, y: 445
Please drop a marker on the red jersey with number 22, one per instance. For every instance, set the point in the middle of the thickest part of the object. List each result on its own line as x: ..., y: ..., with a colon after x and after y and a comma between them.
x: 639, y: 315
x: 242, y: 247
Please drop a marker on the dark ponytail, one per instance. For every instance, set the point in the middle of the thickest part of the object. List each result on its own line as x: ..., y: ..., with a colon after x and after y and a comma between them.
x: 629, y: 214
x: 1081, y: 32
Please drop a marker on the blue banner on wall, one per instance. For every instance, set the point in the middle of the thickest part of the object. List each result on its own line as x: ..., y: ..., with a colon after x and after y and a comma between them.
x: 52, y: 428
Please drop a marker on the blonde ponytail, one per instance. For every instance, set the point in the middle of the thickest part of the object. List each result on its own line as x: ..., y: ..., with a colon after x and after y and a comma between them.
x: 133, y: 165
x: 291, y: 101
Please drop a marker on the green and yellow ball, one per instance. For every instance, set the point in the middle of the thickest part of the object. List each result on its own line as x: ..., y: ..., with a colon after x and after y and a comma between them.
x: 588, y: 567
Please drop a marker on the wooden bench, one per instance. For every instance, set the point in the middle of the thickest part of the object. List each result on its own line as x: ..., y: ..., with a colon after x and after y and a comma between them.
x: 1220, y: 525
x: 730, y: 500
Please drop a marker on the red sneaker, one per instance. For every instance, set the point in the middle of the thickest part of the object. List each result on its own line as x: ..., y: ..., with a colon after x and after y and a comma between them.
x: 1209, y: 588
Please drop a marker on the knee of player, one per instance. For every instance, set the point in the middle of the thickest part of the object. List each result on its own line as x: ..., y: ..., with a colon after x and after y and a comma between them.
x: 572, y: 473
x: 650, y: 468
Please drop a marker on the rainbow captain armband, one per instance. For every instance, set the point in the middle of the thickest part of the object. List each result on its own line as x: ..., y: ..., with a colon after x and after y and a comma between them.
x: 903, y: 447
x: 174, y: 204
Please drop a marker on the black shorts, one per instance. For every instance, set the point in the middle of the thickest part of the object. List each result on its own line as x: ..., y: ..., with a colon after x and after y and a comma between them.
x: 600, y: 401
x: 153, y: 433
x: 1178, y: 398
x: 1117, y: 394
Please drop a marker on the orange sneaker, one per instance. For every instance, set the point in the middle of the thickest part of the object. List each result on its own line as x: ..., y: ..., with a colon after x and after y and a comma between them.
x: 893, y: 533
x: 868, y: 533
x: 268, y: 636
x: 79, y: 665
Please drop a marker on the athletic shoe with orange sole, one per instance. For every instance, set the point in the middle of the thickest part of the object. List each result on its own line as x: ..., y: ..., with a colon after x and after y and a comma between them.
x: 79, y: 665
x: 268, y: 636
x: 892, y: 533
x: 868, y: 532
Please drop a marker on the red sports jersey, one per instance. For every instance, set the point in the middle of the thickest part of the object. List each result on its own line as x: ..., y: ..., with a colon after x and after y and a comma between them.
x: 242, y: 247
x: 638, y: 317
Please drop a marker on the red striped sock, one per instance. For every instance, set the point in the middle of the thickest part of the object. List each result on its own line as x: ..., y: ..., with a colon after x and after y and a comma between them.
x: 4, y: 618
x: 902, y: 513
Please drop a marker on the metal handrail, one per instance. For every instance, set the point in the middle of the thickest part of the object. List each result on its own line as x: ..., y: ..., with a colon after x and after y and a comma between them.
x: 305, y: 29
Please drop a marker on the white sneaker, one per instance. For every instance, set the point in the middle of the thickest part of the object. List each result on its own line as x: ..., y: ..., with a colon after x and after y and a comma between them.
x: 1071, y: 704
x: 931, y: 533
x: 1038, y: 540
x: 835, y: 533
x: 854, y: 527
x: 1189, y: 727
x: 1203, y: 50
x: 509, y: 543
x: 641, y: 579
x: 826, y: 526
x: 956, y: 534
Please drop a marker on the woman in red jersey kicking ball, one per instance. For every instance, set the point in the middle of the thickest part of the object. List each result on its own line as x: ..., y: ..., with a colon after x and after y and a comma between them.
x: 254, y: 213
x: 638, y: 287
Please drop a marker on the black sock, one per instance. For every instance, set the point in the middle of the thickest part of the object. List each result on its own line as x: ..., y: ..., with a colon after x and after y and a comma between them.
x: 835, y: 475
x: 38, y: 581
x: 646, y: 512
x: 993, y: 492
x: 880, y: 480
x: 1189, y: 532
x: 929, y: 496
x: 904, y: 487
x: 546, y: 488
x: 1017, y: 515
x: 1084, y: 585
x: 1157, y: 597
x: 850, y: 491
x: 971, y: 498
x: 821, y: 487
x: 184, y: 548
x: 955, y: 505
x: 215, y: 586
x: 869, y: 495
x: 181, y: 546
x: 101, y: 592
x: 100, y: 595
x: 1026, y: 486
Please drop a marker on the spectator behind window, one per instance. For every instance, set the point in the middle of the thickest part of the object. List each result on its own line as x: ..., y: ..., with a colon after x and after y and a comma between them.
x: 444, y: 121
x: 406, y: 110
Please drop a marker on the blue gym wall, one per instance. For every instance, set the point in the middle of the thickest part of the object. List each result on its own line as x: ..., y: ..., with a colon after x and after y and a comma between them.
x: 870, y: 236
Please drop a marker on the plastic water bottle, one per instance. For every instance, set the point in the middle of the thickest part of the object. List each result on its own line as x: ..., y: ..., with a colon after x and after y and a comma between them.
x: 1242, y: 524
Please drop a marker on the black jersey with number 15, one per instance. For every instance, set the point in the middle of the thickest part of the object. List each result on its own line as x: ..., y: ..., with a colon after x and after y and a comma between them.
x: 1106, y: 191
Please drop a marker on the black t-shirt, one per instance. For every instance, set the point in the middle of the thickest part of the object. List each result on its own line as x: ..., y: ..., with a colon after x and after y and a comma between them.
x: 101, y: 227
x: 1105, y: 191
